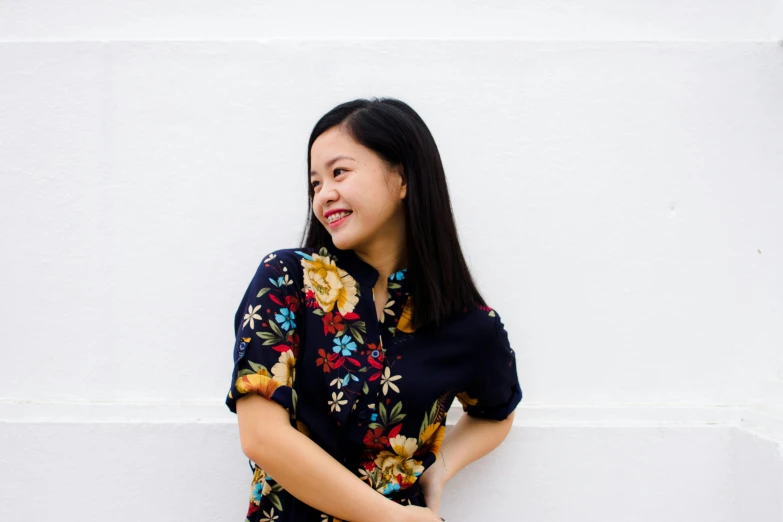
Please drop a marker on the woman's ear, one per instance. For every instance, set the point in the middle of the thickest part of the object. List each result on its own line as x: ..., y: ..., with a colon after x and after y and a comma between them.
x: 403, y: 184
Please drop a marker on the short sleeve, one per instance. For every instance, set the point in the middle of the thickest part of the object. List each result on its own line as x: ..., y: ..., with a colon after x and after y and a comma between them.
x: 494, y: 392
x: 267, y: 327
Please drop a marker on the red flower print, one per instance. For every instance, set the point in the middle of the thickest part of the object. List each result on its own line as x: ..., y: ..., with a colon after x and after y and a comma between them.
x: 276, y: 299
x: 333, y: 323
x: 375, y: 439
x: 310, y: 299
x: 292, y: 303
x: 375, y: 362
x: 395, y: 431
x: 293, y: 340
x: 337, y: 360
x: 327, y: 360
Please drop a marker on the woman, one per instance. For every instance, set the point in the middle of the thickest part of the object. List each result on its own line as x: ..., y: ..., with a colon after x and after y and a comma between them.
x: 350, y: 349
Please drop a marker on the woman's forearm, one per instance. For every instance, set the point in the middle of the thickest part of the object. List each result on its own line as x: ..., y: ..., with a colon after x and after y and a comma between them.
x: 312, y: 475
x: 306, y: 470
x: 469, y: 440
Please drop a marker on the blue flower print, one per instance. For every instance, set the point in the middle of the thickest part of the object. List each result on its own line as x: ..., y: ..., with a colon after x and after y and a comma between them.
x: 281, y: 281
x: 286, y: 319
x: 344, y: 344
x: 390, y: 488
x: 348, y: 377
x: 257, y: 491
x: 398, y: 276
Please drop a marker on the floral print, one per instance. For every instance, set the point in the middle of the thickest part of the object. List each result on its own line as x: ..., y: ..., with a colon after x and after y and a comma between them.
x: 377, y: 391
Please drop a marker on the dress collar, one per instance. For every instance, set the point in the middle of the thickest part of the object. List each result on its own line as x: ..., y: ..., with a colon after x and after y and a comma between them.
x: 364, y: 272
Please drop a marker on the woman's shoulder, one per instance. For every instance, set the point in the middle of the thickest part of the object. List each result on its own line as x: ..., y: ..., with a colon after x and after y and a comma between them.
x: 289, y: 255
x: 285, y: 259
x: 281, y: 266
x: 472, y: 322
x: 486, y: 318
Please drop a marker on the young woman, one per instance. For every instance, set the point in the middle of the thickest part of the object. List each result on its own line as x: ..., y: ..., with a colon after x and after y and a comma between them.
x: 350, y: 349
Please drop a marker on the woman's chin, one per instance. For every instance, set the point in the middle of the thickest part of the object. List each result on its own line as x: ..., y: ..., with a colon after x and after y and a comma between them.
x: 342, y: 241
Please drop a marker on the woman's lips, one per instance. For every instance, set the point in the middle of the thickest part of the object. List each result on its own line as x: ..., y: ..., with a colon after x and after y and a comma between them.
x: 335, y: 224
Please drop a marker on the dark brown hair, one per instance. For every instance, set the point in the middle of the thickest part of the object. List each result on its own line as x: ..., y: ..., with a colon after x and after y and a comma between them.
x: 441, y: 284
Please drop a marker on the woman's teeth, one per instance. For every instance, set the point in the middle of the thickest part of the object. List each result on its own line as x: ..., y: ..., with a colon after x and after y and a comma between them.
x: 335, y: 217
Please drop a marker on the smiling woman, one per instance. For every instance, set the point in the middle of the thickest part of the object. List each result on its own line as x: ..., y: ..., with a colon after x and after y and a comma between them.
x: 357, y: 195
x: 351, y: 347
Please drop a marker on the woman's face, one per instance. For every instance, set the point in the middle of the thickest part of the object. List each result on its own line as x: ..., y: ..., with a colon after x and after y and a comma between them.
x: 359, y: 183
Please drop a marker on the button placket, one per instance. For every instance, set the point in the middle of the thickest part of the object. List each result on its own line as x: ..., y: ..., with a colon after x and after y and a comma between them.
x: 371, y: 390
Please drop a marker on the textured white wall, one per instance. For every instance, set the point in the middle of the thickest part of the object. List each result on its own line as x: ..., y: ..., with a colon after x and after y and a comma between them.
x: 616, y: 170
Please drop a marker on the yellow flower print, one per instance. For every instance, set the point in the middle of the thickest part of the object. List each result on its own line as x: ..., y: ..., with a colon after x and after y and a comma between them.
x: 260, y: 383
x: 400, y: 463
x: 331, y: 285
x: 403, y: 446
x: 429, y: 431
x: 432, y: 438
x: 284, y: 370
x: 259, y: 487
x: 406, y: 316
x: 466, y: 400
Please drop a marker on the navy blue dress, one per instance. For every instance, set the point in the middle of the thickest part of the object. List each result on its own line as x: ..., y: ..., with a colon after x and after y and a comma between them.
x: 372, y: 392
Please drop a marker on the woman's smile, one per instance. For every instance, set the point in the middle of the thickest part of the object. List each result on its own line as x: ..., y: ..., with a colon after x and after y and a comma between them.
x: 336, y: 223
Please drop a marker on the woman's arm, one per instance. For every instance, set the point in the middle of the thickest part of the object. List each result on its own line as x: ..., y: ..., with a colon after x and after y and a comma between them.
x: 304, y: 469
x: 469, y: 440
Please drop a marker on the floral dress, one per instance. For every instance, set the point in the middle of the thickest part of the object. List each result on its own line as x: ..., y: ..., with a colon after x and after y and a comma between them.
x: 372, y: 392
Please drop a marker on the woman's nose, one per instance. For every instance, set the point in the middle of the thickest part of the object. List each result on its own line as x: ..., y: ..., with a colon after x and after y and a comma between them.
x: 327, y: 194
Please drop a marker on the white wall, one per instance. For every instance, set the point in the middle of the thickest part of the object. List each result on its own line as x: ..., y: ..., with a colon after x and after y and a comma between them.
x: 616, y: 169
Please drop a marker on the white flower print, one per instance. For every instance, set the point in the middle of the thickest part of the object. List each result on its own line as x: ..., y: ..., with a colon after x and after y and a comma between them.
x: 337, y: 382
x: 387, y: 310
x: 336, y: 401
x: 271, y: 257
x: 387, y: 381
x: 284, y: 371
x: 250, y: 315
x: 269, y: 516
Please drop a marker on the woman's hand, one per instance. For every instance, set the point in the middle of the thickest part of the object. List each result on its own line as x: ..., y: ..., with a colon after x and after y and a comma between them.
x: 432, y: 482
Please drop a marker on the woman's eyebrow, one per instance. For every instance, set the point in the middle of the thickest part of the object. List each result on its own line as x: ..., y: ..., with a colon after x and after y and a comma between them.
x: 313, y: 173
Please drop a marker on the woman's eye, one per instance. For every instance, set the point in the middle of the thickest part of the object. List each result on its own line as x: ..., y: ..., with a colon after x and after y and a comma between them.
x: 337, y: 172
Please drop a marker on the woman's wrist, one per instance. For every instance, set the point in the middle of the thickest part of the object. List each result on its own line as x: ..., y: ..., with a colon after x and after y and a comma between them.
x: 437, y: 474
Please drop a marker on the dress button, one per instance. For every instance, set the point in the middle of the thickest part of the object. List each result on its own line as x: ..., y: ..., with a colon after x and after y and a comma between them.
x: 375, y: 353
x: 362, y: 414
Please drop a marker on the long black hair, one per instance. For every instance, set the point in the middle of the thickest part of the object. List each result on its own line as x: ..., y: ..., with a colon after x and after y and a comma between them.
x: 441, y: 284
